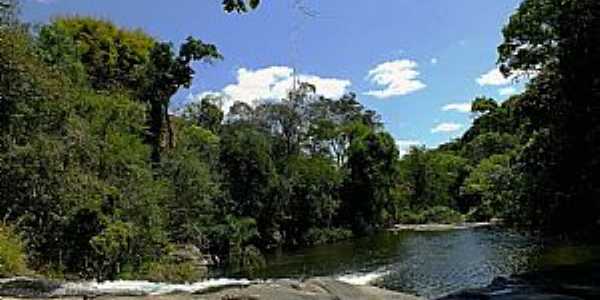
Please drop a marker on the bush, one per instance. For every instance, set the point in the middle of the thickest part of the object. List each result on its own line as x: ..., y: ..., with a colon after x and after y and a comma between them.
x: 442, y: 215
x: 12, y: 254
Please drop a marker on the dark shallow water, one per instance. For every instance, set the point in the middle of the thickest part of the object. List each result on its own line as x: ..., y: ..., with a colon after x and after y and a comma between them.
x: 429, y: 264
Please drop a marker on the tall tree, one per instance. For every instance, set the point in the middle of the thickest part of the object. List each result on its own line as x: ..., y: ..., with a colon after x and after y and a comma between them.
x: 371, y: 177
x: 560, y: 39
x: 167, y: 73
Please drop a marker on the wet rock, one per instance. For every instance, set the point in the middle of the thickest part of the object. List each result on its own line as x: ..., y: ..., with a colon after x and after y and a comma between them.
x: 313, y: 289
x: 27, y: 287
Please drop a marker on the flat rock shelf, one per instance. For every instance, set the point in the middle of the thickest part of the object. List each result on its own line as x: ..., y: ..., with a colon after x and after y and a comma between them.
x: 312, y: 289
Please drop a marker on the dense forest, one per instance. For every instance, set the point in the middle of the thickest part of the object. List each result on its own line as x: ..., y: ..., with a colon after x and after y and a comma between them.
x: 98, y: 179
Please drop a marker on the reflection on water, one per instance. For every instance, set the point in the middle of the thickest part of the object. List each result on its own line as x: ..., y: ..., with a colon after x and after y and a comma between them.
x: 424, y: 263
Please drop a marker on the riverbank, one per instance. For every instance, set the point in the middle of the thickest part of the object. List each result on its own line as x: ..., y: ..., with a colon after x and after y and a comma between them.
x: 220, y: 289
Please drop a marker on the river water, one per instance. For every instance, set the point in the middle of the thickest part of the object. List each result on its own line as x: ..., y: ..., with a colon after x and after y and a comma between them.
x: 430, y: 264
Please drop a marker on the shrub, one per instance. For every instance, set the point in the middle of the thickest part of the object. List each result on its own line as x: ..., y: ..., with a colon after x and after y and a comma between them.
x: 12, y: 254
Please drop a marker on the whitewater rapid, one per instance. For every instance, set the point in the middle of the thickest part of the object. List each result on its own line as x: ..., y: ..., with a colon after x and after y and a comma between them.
x: 140, y: 287
x: 362, y: 278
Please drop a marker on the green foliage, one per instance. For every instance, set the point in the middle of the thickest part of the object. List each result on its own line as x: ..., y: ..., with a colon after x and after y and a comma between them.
x: 432, y: 215
x: 112, y: 244
x: 13, y: 260
x: 99, y: 178
x: 410, y: 217
x: 239, y: 235
x: 92, y: 198
x: 489, y: 143
x: 371, y: 177
x: 313, y: 199
x: 166, y: 73
x: 249, y: 171
x: 488, y: 185
x: 432, y: 178
x: 113, y: 58
x: 194, y: 186
x: 206, y: 114
x: 483, y: 105
x: 557, y: 170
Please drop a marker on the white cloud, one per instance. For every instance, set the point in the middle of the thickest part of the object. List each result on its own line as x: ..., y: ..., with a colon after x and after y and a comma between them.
x: 446, y: 127
x: 507, y: 91
x: 405, y: 145
x: 398, y: 77
x: 434, y: 61
x: 459, y: 107
x: 274, y: 83
x: 494, y: 77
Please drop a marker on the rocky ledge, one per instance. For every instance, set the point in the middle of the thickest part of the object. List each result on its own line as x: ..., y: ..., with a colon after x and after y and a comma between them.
x: 312, y: 289
x: 439, y: 227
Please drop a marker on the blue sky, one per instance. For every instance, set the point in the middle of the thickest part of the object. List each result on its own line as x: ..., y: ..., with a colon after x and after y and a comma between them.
x: 416, y: 62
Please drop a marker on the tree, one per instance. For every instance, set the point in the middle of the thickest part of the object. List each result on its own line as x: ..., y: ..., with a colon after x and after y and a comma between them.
x: 314, y: 185
x: 488, y: 187
x: 206, y: 114
x: 250, y: 173
x: 240, y: 6
x: 489, y: 143
x: 129, y: 60
x: 433, y: 178
x: 371, y: 178
x: 559, y: 39
x: 483, y: 105
x: 167, y: 74
x: 113, y: 58
x: 194, y: 185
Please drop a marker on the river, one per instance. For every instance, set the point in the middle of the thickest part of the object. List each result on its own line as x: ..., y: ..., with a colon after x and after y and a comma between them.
x: 429, y: 264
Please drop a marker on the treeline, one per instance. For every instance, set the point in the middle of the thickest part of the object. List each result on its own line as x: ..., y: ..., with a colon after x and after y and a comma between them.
x: 98, y: 179
x: 101, y: 181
